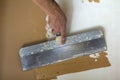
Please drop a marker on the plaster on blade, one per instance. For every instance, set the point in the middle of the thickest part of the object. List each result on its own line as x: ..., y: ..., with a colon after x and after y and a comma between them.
x: 50, y: 52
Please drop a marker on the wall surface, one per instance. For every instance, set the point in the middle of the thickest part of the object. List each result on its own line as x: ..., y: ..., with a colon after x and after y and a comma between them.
x: 85, y: 15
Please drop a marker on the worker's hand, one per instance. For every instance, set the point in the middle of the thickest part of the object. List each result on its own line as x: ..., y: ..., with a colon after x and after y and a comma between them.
x: 57, y: 19
x: 58, y: 24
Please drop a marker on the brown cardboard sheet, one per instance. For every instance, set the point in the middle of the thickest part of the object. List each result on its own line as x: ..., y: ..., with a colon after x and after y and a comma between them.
x: 74, y: 65
x: 22, y: 22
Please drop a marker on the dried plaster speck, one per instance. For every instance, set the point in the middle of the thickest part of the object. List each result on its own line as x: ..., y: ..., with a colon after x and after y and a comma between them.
x: 94, y: 1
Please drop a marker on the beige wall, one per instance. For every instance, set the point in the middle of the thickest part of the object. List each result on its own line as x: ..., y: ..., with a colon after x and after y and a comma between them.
x: 20, y: 23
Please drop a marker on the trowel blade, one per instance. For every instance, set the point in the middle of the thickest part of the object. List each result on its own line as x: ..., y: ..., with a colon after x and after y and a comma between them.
x: 50, y: 52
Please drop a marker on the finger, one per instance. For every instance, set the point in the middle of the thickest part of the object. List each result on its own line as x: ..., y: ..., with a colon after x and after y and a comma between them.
x: 63, y: 37
x: 54, y: 32
x: 53, y: 28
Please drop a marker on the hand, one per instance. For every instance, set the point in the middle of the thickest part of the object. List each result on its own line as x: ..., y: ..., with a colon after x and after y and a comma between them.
x: 57, y: 23
x: 57, y: 19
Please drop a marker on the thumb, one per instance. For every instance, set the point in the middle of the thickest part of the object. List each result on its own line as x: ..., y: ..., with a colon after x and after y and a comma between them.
x: 63, y: 37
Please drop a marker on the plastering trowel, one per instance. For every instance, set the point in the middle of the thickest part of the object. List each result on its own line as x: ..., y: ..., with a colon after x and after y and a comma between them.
x: 50, y: 52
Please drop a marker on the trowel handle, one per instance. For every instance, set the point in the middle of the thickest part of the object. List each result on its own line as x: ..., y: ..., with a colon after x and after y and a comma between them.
x: 58, y: 37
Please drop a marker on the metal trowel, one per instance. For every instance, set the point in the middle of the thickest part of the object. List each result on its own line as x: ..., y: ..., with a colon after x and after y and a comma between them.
x: 50, y: 52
